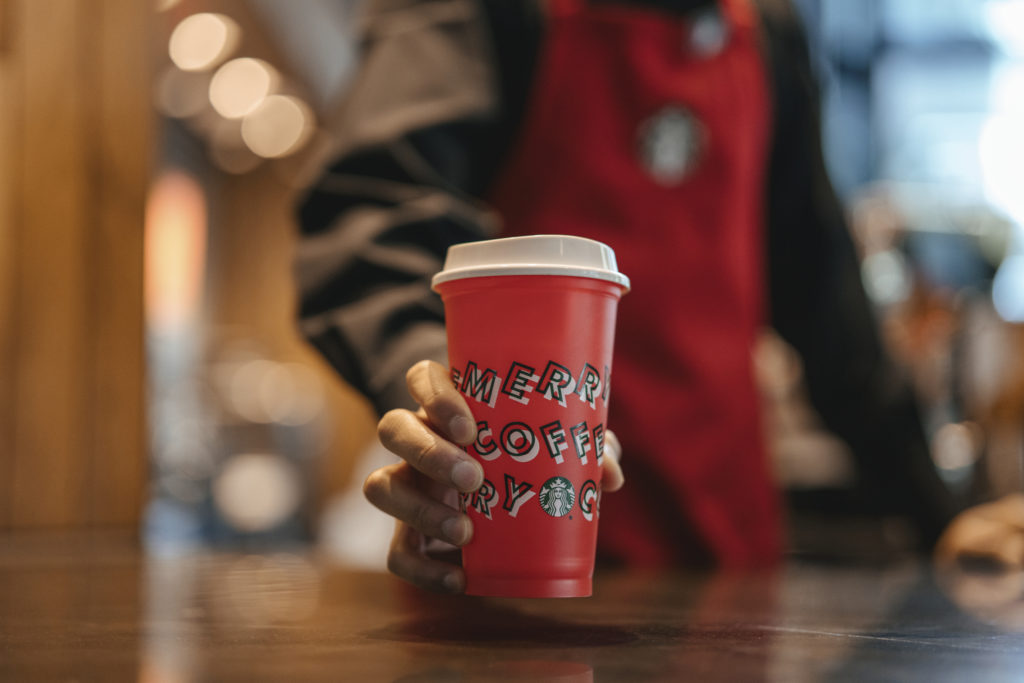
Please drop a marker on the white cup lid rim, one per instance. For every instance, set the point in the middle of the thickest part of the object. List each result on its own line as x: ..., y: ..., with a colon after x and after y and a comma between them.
x: 532, y: 255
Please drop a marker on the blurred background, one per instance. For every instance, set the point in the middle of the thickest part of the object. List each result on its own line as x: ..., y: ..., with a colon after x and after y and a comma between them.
x: 151, y: 377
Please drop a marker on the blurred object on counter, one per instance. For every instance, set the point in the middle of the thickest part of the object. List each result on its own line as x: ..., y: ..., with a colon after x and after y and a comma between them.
x: 805, y: 454
x: 922, y: 112
x: 250, y: 434
x: 352, y: 532
x: 235, y: 442
x: 921, y: 106
x: 930, y: 263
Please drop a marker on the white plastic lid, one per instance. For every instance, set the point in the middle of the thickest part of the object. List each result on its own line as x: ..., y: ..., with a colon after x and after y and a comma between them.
x: 532, y: 255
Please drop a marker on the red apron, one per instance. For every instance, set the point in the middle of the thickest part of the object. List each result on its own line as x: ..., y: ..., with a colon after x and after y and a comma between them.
x: 611, y: 80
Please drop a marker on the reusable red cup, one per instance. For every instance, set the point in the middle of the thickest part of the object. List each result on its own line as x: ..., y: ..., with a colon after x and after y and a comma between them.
x: 531, y: 324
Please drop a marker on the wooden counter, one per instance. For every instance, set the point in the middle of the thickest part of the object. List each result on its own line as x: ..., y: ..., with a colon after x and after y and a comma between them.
x: 85, y: 609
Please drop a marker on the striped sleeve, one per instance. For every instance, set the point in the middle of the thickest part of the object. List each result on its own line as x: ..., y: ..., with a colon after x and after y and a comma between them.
x: 417, y: 149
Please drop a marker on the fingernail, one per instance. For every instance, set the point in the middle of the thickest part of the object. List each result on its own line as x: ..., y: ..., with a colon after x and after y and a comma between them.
x: 453, y: 583
x: 456, y: 530
x: 467, y: 476
x: 461, y: 429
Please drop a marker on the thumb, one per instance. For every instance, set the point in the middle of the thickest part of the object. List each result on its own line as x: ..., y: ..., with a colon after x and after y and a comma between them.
x: 612, y: 479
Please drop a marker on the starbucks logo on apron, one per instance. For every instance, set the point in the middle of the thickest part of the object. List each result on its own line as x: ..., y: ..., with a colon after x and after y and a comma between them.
x: 670, y: 144
x: 557, y: 496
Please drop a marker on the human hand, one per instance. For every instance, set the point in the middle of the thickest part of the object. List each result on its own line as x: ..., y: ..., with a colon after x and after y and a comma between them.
x: 994, y: 535
x: 993, y: 532
x: 421, y: 491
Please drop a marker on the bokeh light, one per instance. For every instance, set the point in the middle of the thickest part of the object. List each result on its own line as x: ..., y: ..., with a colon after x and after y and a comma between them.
x: 244, y: 395
x: 1001, y: 148
x: 227, y: 149
x: 956, y: 445
x: 201, y: 41
x: 1008, y: 288
x: 241, y: 85
x: 263, y: 391
x: 280, y: 126
x: 257, y: 491
x: 181, y: 94
x: 886, y: 277
x: 175, y: 251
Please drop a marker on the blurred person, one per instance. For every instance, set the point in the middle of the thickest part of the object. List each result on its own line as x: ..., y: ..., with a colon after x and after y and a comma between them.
x: 684, y: 134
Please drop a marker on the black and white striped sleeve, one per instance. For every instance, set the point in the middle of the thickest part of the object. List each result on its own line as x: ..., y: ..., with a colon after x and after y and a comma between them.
x: 420, y: 139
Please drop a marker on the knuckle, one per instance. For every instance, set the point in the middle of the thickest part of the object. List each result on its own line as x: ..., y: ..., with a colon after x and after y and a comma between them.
x: 394, y: 563
x: 435, y: 402
x: 375, y: 487
x: 422, y: 457
x: 389, y: 426
x: 429, y: 384
x: 421, y: 520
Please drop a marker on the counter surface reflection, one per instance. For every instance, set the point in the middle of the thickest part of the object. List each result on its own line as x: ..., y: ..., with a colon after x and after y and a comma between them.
x: 94, y: 609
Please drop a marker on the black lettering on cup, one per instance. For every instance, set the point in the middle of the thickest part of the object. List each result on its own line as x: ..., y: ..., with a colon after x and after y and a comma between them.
x: 588, y: 500
x: 554, y: 439
x: 481, y: 385
x: 581, y: 440
x: 556, y: 382
x: 589, y: 385
x: 516, y: 495
x: 519, y: 441
x: 484, y: 444
x: 518, y: 381
x: 484, y: 498
x: 599, y: 442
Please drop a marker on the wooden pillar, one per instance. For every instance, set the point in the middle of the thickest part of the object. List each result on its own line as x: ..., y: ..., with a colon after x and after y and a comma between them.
x: 75, y: 140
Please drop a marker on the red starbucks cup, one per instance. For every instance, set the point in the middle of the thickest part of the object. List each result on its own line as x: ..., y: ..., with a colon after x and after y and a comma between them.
x: 531, y: 324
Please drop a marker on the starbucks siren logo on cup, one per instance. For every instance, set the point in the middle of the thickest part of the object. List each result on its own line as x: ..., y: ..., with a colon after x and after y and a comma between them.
x: 530, y: 323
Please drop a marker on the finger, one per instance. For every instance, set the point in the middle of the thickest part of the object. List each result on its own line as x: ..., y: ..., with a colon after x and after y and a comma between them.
x: 407, y: 561
x: 392, y: 490
x: 405, y: 434
x: 974, y: 536
x: 446, y: 409
x: 1012, y: 551
x: 1003, y: 546
x: 1010, y: 510
x: 612, y: 478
